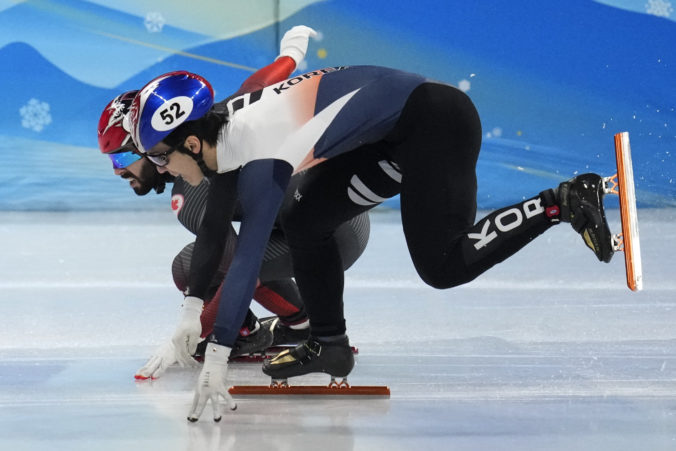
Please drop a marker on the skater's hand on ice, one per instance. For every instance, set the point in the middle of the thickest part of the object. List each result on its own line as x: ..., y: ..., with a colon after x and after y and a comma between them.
x: 295, y: 41
x: 187, y: 334
x: 162, y: 358
x: 211, y: 383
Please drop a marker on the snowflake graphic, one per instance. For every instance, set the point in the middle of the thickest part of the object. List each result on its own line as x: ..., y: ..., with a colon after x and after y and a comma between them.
x: 464, y: 85
x: 35, y: 115
x: 495, y: 133
x: 154, y: 22
x: 661, y: 8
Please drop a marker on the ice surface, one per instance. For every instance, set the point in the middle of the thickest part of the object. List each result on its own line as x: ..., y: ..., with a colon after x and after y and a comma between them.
x: 548, y: 350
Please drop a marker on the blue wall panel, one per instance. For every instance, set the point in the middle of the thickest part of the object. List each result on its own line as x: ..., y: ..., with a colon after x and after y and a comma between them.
x: 553, y: 81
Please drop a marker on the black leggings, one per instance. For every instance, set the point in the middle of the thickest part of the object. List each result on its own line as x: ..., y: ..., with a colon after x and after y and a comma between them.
x: 430, y: 159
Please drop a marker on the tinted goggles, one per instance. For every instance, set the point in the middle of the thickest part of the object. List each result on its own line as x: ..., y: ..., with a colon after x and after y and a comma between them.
x: 123, y: 159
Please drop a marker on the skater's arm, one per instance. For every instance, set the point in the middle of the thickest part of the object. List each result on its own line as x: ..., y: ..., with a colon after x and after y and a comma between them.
x: 261, y: 188
x: 272, y: 73
x: 212, y: 233
x: 292, y: 50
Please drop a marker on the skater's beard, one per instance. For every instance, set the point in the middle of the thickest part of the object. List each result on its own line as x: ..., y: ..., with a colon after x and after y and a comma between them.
x: 146, y: 180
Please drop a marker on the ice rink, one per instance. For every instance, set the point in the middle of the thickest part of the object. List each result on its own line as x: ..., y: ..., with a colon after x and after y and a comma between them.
x: 547, y: 351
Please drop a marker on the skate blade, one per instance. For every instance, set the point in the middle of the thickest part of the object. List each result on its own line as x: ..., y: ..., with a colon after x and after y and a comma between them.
x: 322, y: 390
x: 622, y: 184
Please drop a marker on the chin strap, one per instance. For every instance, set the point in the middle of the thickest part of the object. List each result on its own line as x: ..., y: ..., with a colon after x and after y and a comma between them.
x: 198, y: 158
x: 203, y: 166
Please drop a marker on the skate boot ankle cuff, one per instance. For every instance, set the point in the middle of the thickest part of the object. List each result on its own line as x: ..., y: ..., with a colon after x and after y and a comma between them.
x: 551, y: 205
x: 330, y: 339
x: 299, y: 325
x: 284, y: 334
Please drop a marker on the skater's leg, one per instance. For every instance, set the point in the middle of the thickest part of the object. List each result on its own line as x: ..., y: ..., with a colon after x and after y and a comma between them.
x: 351, y: 238
x: 180, y: 267
x: 437, y: 144
x: 252, y: 336
x: 329, y: 195
x: 342, y: 188
x: 282, y: 298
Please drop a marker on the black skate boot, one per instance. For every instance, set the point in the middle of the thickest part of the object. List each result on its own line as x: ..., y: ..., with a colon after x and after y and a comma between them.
x: 313, y: 356
x: 257, y: 341
x: 581, y: 202
x: 283, y: 335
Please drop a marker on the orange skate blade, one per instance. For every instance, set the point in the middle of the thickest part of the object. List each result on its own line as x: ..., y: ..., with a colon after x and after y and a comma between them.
x: 324, y: 390
x: 628, y: 213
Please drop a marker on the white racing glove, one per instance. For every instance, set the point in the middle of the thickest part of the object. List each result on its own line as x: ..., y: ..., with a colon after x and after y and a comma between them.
x: 211, y: 383
x: 187, y: 334
x: 162, y: 358
x: 295, y: 41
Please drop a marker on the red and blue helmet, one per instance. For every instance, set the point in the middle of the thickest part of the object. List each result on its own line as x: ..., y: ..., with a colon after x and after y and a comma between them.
x: 165, y: 103
x: 113, y: 136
